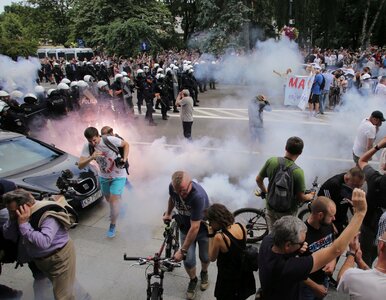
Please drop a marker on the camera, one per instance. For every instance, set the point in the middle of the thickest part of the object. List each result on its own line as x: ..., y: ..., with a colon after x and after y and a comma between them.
x: 119, y: 162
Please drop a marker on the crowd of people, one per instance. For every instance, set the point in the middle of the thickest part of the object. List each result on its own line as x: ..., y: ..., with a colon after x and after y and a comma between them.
x: 296, y: 259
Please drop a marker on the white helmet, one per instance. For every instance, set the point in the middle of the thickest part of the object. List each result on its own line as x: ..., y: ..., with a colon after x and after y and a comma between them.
x: 88, y: 78
x: 160, y: 70
x: 139, y: 71
x: 117, y: 76
x: 56, y: 64
x: 125, y: 79
x: 101, y: 84
x: 156, y: 65
x: 30, y: 98
x: 123, y: 73
x: 73, y: 83
x: 3, y: 94
x: 16, y: 94
x: 146, y: 67
x: 65, y: 80
x: 158, y: 76
x: 167, y: 70
x: 39, y: 89
x: 175, y: 68
x: 50, y: 91
x: 82, y: 83
x: 172, y: 66
x: 63, y: 86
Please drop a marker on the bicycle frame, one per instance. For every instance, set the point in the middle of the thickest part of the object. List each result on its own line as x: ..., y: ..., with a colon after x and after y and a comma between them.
x: 154, y: 289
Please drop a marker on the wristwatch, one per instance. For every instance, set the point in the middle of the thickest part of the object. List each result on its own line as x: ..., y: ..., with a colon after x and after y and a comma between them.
x: 376, y: 147
x: 350, y: 253
x: 183, y: 251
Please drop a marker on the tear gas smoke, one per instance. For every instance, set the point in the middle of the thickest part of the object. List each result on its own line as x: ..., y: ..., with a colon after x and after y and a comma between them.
x: 18, y: 75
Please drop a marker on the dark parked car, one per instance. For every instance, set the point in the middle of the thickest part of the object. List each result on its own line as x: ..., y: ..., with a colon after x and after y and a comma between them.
x: 43, y: 169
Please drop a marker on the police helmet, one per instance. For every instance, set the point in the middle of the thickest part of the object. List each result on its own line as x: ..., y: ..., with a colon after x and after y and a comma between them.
x: 101, y: 84
x: 158, y: 76
x: 30, y: 98
x: 146, y: 67
x: 118, y: 77
x: 172, y: 66
x: 175, y: 68
x: 65, y: 80
x: 167, y: 70
x: 160, y: 70
x: 39, y: 89
x: 123, y: 73
x: 88, y: 78
x: 3, y: 93
x: 156, y: 65
x: 82, y: 83
x: 139, y: 71
x: 125, y: 79
x: 73, y: 83
x: 50, y: 91
x: 16, y: 94
x: 63, y: 86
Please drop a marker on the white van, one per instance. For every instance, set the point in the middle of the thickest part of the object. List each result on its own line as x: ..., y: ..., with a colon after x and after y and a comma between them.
x: 66, y: 53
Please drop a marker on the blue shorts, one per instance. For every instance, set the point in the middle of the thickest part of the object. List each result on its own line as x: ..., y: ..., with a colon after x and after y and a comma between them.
x: 112, y: 186
x: 203, y: 248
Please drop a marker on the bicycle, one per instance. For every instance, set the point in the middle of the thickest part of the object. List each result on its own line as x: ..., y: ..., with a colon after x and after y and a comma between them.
x: 255, y: 221
x: 154, y: 289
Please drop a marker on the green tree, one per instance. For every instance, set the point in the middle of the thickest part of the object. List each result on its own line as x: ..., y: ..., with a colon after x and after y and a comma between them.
x: 118, y: 27
x: 14, y: 40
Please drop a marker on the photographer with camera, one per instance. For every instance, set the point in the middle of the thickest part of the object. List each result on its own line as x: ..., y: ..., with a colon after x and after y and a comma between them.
x: 186, y: 103
x: 112, y: 174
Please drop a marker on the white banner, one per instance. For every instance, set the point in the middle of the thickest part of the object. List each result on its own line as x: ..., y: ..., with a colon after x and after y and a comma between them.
x: 298, y: 90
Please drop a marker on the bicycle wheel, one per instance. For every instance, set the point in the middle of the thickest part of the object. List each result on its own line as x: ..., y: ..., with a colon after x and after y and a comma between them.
x: 254, y: 221
x: 304, y: 214
x: 155, y: 291
x: 172, y: 241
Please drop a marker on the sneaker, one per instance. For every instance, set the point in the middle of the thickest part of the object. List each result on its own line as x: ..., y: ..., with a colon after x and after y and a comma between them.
x: 191, y: 292
x: 204, y: 280
x: 111, y: 232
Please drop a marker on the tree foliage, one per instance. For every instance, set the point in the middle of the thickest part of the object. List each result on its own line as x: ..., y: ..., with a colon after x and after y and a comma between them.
x: 14, y: 39
x: 119, y: 26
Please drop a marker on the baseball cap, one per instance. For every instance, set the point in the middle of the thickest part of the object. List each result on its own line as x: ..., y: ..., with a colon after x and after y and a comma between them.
x: 378, y: 115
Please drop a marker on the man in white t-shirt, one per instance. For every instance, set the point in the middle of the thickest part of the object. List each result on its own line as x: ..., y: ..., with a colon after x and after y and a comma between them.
x: 364, y: 283
x: 111, y: 176
x: 366, y: 134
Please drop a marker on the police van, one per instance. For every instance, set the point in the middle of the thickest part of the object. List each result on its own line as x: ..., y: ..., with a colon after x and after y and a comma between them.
x: 66, y: 53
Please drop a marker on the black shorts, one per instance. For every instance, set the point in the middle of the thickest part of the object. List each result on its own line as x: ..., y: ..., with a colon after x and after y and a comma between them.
x: 314, y: 99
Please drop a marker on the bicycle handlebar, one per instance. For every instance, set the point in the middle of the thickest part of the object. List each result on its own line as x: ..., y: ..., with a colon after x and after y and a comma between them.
x: 169, y: 263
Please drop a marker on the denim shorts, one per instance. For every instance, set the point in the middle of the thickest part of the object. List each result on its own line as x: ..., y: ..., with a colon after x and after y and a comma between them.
x: 203, y: 249
x: 112, y: 186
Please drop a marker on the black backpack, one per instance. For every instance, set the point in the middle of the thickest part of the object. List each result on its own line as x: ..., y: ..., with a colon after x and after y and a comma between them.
x: 8, y: 250
x: 118, y: 151
x: 281, y: 187
x: 323, y: 84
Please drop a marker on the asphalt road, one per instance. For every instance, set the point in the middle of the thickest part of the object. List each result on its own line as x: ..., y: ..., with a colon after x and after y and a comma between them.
x: 222, y: 144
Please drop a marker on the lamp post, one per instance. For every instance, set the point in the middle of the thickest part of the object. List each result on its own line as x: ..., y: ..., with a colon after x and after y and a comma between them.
x: 291, y: 20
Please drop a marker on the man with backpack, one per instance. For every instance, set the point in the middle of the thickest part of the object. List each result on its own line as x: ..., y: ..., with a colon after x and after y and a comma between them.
x: 286, y: 183
x: 112, y: 176
x: 316, y: 91
x: 43, y: 227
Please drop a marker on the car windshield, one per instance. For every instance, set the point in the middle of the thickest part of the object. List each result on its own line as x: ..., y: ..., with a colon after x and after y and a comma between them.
x: 22, y: 154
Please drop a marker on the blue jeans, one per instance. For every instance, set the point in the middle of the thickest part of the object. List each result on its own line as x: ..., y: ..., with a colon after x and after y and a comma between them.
x: 306, y: 293
x: 322, y: 101
x: 203, y: 249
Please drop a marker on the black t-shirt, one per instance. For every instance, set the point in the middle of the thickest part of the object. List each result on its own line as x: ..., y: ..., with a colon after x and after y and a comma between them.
x: 281, y: 274
x: 335, y: 189
x: 192, y: 208
x: 376, y: 196
x: 318, y: 239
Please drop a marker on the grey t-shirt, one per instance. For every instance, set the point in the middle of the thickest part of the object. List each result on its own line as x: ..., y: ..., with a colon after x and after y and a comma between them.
x: 186, y: 109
